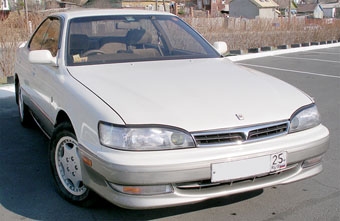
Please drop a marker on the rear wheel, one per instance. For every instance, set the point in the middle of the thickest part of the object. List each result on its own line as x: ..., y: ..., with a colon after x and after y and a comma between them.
x: 25, y: 117
x: 65, y: 165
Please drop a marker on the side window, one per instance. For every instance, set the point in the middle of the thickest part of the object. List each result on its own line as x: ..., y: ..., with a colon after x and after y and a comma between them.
x: 39, y: 35
x: 47, y: 36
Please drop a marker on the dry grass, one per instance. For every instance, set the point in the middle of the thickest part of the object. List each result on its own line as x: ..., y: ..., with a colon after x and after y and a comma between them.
x: 238, y: 33
x: 244, y: 34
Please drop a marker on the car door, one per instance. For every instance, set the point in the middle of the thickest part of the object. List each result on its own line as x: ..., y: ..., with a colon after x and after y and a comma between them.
x: 43, y: 76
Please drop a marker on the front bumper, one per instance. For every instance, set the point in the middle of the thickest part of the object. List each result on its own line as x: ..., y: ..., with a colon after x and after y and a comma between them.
x: 186, y: 170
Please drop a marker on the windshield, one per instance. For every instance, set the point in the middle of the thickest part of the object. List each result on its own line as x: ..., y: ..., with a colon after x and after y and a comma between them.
x: 114, y: 39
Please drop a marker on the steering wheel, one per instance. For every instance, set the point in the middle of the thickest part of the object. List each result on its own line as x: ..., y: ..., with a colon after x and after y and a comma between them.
x: 89, y: 52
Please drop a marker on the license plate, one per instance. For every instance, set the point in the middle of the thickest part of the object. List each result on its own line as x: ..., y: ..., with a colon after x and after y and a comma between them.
x: 236, y: 170
x: 278, y: 161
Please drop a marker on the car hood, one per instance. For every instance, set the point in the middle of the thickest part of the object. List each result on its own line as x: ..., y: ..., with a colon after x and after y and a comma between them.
x: 197, y: 94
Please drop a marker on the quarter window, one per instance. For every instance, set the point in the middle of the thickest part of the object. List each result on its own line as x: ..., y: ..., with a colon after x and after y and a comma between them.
x: 47, y: 36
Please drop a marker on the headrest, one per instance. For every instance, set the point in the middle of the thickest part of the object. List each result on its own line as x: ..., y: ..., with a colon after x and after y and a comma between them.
x: 138, y: 36
x: 79, y: 41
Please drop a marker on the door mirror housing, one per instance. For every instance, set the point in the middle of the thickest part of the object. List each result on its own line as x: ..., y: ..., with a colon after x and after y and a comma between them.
x: 42, y: 57
x: 221, y: 47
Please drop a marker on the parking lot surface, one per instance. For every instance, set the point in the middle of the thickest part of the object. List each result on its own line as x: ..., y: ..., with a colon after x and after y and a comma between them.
x: 27, y: 191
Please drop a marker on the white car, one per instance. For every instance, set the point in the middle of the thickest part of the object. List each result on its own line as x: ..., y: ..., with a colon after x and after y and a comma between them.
x: 143, y: 111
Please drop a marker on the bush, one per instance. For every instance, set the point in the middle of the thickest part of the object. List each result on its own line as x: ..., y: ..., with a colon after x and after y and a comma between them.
x: 9, y: 38
x: 14, y: 31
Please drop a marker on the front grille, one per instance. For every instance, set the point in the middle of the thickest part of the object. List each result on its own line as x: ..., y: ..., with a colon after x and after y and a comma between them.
x: 219, y: 138
x: 268, y: 131
x: 241, y: 135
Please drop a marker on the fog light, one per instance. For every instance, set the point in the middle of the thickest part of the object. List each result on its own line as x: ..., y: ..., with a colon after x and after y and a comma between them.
x: 142, y: 190
x: 312, y: 161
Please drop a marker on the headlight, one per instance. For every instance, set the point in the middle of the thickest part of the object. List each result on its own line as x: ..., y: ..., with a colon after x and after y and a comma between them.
x: 305, y: 118
x: 143, y: 138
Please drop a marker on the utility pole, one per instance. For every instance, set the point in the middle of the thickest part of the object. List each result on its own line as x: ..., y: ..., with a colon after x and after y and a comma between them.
x: 26, y: 15
x: 289, y: 8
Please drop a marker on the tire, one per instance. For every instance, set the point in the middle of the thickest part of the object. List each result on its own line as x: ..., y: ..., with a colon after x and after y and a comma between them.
x: 25, y: 117
x: 65, y: 166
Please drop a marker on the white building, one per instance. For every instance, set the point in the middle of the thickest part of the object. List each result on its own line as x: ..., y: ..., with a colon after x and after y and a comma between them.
x: 4, y: 6
x: 253, y: 8
x: 331, y: 10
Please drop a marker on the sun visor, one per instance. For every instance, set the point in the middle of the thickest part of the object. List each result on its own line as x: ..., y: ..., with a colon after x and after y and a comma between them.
x: 127, y: 25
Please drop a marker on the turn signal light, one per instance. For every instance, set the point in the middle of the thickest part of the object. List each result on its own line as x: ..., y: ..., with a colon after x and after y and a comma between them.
x: 312, y: 161
x: 87, y: 161
x: 142, y: 190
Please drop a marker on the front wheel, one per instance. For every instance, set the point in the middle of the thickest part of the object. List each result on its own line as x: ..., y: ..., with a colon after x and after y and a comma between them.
x: 65, y: 166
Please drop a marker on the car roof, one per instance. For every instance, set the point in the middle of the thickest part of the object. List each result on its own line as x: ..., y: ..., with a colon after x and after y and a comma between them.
x: 69, y: 14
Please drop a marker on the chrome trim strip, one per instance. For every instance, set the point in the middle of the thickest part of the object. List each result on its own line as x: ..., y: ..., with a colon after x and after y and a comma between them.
x: 207, y: 183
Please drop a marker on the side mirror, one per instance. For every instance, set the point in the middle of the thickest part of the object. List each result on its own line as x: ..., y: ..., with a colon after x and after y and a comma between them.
x: 221, y: 47
x: 42, y: 57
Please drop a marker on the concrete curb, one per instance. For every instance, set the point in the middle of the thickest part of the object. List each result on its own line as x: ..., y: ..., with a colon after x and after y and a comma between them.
x: 283, y: 49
